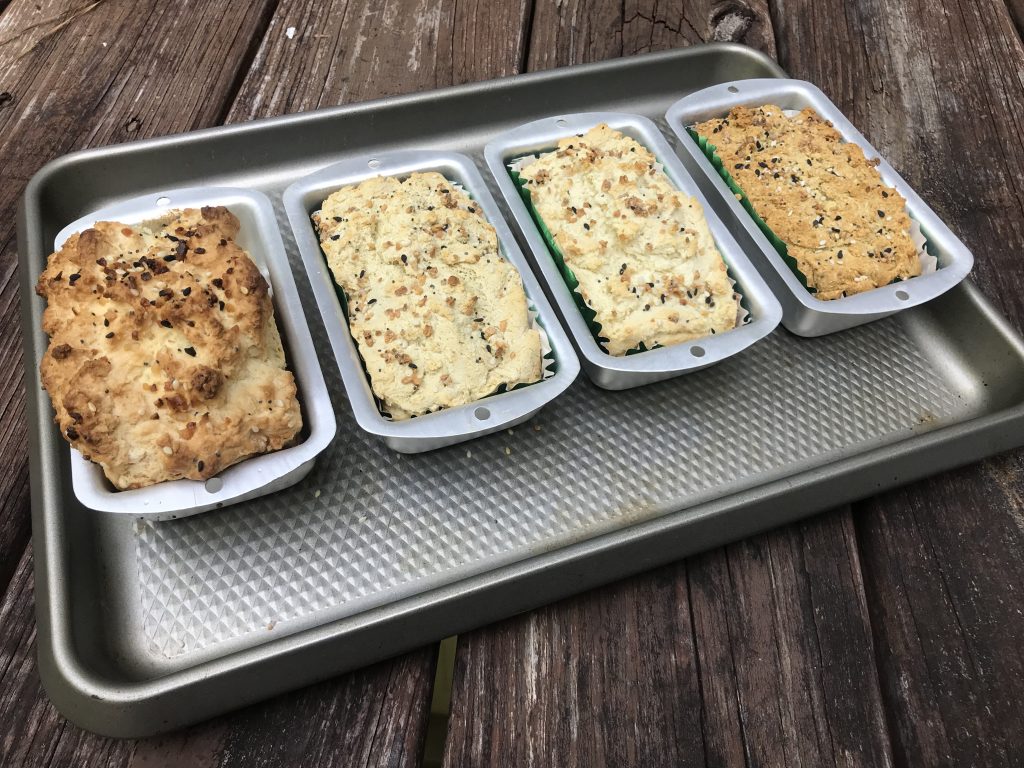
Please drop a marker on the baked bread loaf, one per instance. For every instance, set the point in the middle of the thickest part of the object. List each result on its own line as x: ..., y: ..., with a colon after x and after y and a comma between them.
x: 439, y: 316
x: 641, y: 249
x: 164, y: 359
x: 820, y: 195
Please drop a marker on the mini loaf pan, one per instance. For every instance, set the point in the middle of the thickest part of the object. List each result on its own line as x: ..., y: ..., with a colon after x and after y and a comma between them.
x: 450, y: 425
x: 802, y: 313
x: 624, y: 372
x: 259, y: 475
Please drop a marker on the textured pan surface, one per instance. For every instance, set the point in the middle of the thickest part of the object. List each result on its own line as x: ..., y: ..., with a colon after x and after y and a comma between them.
x: 145, y: 626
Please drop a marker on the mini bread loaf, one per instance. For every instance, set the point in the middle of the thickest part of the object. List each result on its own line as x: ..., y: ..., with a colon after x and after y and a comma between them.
x: 641, y: 249
x: 164, y: 359
x: 820, y: 195
x: 439, y: 316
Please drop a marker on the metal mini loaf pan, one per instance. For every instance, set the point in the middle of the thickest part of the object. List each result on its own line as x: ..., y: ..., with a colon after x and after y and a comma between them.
x: 451, y: 425
x: 624, y: 372
x: 257, y: 476
x: 803, y: 314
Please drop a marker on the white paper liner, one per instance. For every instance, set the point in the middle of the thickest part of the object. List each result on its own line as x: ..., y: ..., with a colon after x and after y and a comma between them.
x: 928, y: 262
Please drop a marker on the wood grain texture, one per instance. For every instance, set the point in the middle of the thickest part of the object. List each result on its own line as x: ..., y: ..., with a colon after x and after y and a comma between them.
x: 547, y: 688
x: 755, y: 654
x: 319, y: 54
x: 119, y: 71
x: 373, y: 717
x: 565, y: 32
x: 937, y: 89
x: 785, y: 650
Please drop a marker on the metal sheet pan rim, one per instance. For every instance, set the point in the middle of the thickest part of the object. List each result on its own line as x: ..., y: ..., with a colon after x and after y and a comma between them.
x: 108, y: 704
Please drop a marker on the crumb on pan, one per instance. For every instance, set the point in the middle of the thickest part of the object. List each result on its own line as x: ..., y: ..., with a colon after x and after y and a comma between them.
x: 439, y: 316
x: 820, y: 195
x: 164, y: 359
x: 641, y: 249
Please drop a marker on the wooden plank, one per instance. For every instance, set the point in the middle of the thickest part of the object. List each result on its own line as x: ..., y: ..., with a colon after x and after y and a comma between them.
x: 767, y: 641
x: 372, y: 717
x: 937, y: 88
x: 80, y: 74
x: 318, y: 54
x: 785, y: 650
x: 567, y: 32
x: 548, y: 687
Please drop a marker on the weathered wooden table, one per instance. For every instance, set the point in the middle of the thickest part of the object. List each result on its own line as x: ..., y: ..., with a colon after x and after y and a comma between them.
x: 887, y: 633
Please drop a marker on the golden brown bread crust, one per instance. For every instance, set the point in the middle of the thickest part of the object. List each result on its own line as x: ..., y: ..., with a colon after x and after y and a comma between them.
x: 439, y: 316
x: 164, y: 359
x: 641, y: 250
x: 820, y: 195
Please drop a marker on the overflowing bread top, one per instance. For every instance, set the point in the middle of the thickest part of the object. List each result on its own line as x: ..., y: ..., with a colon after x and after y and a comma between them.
x: 164, y: 359
x: 820, y: 195
x: 640, y: 249
x: 439, y: 316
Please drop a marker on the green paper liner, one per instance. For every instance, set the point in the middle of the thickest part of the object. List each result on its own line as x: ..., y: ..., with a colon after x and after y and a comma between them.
x: 589, y: 316
x: 548, y: 369
x: 709, y: 152
x: 570, y: 279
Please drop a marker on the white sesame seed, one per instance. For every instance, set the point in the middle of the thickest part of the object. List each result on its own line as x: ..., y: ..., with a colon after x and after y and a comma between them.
x: 168, y: 450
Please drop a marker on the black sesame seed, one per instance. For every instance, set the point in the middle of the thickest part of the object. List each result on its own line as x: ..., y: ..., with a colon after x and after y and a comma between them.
x: 186, y: 291
x: 200, y: 250
x: 165, y: 323
x: 200, y: 465
x: 106, y: 323
x: 217, y: 282
x: 839, y: 255
x: 586, y: 226
x: 413, y: 365
x: 337, y: 218
x: 74, y: 277
x: 622, y: 269
x: 405, y: 259
x: 335, y: 237
x: 72, y: 433
x: 191, y: 351
x: 221, y: 303
x: 110, y: 335
x: 884, y: 193
x: 881, y: 214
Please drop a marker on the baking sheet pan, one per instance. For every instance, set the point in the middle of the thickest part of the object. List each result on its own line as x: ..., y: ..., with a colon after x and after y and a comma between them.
x: 147, y: 626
